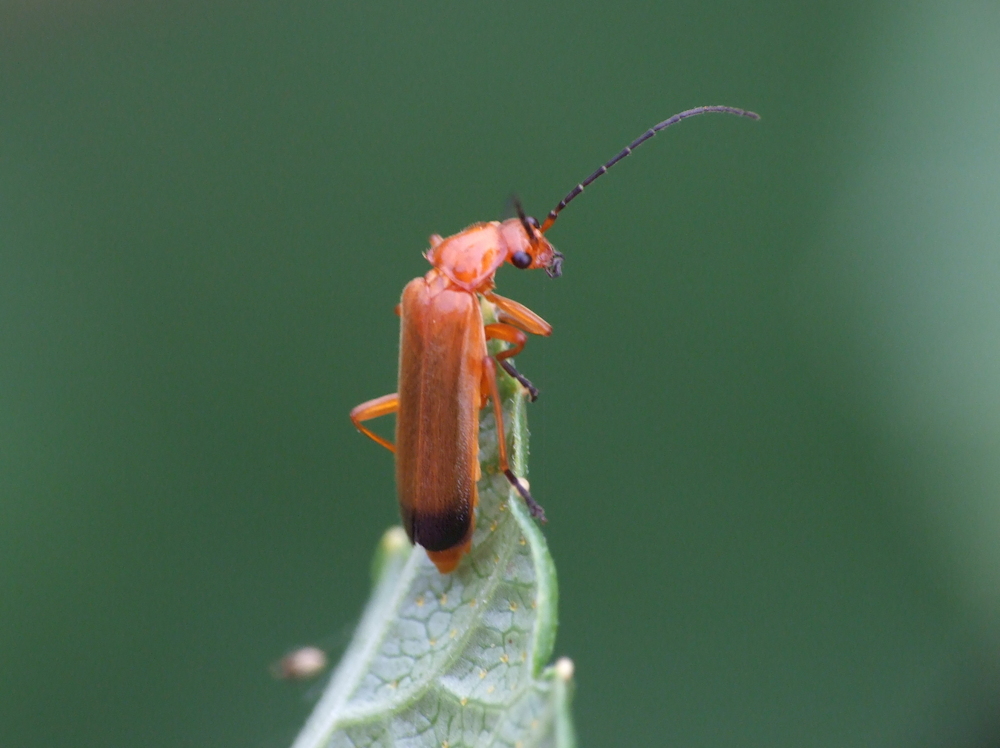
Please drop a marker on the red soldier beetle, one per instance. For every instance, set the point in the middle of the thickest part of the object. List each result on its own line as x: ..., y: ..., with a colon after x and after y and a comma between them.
x: 446, y: 374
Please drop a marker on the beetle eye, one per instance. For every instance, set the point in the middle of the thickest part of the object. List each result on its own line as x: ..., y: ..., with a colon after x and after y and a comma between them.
x: 520, y: 259
x: 533, y: 221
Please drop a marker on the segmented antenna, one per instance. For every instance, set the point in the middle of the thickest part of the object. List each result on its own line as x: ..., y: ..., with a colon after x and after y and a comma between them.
x: 554, y: 213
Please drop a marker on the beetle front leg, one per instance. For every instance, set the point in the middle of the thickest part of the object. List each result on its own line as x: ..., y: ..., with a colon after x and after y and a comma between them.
x: 518, y: 315
x: 380, y: 406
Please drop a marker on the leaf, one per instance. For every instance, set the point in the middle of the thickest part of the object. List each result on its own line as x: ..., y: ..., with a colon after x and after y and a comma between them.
x: 459, y: 659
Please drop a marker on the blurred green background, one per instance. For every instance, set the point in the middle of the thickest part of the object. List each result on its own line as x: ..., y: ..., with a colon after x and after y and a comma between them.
x: 768, y: 435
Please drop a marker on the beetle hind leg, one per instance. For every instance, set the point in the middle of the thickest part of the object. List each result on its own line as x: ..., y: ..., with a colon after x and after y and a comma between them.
x: 490, y: 375
x: 533, y: 506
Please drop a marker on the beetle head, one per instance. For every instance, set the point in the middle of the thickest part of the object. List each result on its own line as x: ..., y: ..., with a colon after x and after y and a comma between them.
x: 528, y: 249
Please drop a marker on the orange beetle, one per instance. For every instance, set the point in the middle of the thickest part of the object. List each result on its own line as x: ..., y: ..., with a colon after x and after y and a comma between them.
x: 446, y: 374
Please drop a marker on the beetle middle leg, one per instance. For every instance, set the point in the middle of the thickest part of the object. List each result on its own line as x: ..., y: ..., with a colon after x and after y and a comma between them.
x: 380, y: 406
x: 517, y: 339
x: 490, y: 377
x: 514, y: 320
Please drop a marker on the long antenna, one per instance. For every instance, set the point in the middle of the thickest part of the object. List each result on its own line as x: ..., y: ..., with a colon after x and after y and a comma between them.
x: 554, y: 213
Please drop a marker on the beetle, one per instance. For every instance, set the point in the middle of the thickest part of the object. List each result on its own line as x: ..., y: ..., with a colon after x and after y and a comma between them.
x: 446, y: 374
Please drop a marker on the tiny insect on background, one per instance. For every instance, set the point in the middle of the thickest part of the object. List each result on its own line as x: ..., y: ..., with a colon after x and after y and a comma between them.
x: 446, y: 374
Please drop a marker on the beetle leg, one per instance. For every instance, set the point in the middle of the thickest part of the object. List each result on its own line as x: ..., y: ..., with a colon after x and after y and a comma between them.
x: 508, y: 334
x: 512, y: 314
x: 519, y: 315
x: 380, y: 406
x: 517, y: 339
x: 509, y: 367
x: 490, y: 375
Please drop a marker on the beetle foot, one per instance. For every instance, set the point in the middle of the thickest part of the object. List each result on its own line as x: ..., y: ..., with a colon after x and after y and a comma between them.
x: 533, y: 506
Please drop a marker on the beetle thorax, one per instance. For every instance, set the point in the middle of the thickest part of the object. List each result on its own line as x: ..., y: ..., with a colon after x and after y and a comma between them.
x: 470, y: 258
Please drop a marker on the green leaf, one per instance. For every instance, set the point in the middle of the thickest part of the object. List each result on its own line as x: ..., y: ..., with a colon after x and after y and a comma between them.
x: 458, y: 659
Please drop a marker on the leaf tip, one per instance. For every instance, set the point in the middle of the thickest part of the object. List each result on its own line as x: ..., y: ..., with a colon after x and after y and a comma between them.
x: 394, y: 544
x: 564, y: 668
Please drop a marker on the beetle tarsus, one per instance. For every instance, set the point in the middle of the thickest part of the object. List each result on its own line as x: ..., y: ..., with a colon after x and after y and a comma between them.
x: 525, y: 382
x: 533, y: 506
